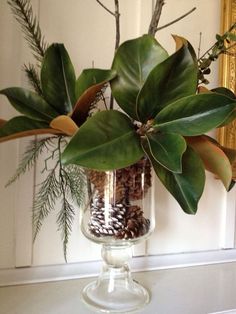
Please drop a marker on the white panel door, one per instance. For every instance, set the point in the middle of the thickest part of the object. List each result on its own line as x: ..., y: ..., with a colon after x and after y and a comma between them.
x: 10, y: 74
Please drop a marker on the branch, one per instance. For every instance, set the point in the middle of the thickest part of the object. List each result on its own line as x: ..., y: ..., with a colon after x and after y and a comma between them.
x: 155, y: 17
x: 117, y: 17
x: 199, y: 46
x: 176, y: 20
x: 207, y: 52
x: 116, y: 14
x: 104, y: 7
x: 117, y: 43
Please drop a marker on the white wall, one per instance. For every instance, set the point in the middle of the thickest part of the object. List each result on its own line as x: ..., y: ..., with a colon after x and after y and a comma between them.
x: 88, y: 33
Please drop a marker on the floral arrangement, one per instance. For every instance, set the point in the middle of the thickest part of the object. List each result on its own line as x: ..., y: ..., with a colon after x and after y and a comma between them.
x: 163, y: 114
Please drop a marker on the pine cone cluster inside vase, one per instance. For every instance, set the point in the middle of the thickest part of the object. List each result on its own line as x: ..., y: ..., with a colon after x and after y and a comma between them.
x: 129, y: 182
x: 121, y: 221
x: 120, y: 218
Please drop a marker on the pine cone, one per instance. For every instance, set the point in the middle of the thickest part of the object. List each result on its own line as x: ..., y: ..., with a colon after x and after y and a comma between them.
x: 128, y: 181
x: 123, y: 221
x: 136, y: 225
x: 106, y: 222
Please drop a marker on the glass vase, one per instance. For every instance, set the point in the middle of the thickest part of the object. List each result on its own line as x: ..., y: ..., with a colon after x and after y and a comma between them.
x: 119, y: 214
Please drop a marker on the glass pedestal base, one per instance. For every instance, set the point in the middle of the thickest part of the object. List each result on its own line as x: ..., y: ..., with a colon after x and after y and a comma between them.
x: 120, y: 300
x: 115, y: 291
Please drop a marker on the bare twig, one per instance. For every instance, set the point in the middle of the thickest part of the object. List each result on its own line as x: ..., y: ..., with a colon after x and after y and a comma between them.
x: 199, y: 46
x: 208, y: 51
x: 176, y: 20
x: 117, y: 17
x: 104, y: 7
x: 116, y: 14
x: 155, y: 17
x: 117, y: 43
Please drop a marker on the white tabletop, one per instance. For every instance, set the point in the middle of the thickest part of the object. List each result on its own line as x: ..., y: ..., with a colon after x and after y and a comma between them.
x: 192, y: 290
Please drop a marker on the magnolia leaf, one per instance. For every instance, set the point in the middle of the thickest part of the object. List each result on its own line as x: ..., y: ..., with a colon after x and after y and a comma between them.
x: 29, y: 103
x: 90, y: 82
x: 227, y: 92
x: 174, y: 78
x: 22, y: 126
x: 2, y: 122
x: 224, y: 91
x: 214, y: 159
x: 229, y: 152
x: 133, y: 62
x: 92, y: 77
x: 232, y: 184
x: 105, y: 141
x: 194, y: 115
x: 58, y: 79
x: 64, y: 124
x: 186, y: 187
x: 167, y: 149
x: 203, y: 90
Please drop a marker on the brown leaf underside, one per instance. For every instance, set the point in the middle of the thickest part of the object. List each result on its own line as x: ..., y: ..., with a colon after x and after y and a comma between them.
x: 81, y: 109
x: 64, y: 124
x: 2, y: 122
x: 30, y: 133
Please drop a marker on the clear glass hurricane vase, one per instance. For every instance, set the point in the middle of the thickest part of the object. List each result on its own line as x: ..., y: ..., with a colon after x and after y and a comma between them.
x: 119, y: 213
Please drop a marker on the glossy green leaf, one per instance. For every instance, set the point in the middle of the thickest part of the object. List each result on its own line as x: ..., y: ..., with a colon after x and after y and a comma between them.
x: 174, y: 78
x: 133, y: 62
x: 22, y: 126
x: 58, y: 79
x: 214, y: 159
x: 91, y: 77
x: 195, y: 115
x: 106, y: 141
x: 224, y: 91
x: 186, y: 187
x: 29, y: 103
x: 88, y: 85
x: 227, y: 92
x: 167, y: 149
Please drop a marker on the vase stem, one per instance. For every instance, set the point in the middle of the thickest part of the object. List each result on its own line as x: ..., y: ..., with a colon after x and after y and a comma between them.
x: 115, y: 291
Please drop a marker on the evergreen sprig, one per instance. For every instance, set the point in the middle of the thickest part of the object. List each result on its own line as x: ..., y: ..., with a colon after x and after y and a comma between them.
x: 23, y: 12
x: 65, y: 221
x: 33, y: 77
x: 30, y: 156
x: 65, y: 183
x: 45, y: 199
x: 75, y: 178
